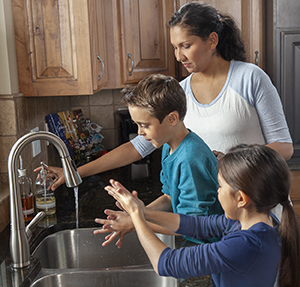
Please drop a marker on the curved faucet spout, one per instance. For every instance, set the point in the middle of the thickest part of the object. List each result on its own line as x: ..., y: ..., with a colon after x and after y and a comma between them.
x: 19, y: 246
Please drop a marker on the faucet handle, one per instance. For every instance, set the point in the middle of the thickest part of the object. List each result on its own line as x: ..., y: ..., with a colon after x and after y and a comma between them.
x: 33, y: 222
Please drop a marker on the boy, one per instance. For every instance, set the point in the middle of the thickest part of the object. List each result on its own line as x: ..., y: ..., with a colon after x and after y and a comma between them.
x: 157, y: 104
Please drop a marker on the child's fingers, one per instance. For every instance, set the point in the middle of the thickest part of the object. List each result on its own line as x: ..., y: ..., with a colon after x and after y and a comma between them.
x: 110, y: 214
x: 109, y: 238
x: 119, y: 205
x: 135, y: 194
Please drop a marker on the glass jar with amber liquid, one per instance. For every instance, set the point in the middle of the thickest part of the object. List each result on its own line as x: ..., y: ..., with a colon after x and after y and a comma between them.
x: 25, y: 186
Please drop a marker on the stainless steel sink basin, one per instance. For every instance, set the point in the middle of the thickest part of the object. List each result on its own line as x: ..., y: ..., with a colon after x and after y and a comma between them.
x: 77, y: 258
x: 68, y: 249
x: 133, y: 278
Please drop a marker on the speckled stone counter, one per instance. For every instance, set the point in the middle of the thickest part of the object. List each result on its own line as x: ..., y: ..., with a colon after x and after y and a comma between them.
x: 93, y: 200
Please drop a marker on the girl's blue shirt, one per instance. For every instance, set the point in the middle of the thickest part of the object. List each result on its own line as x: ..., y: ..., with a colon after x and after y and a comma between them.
x: 241, y: 258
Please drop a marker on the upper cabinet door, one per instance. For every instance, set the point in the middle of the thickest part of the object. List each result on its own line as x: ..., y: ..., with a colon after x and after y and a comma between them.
x: 59, y: 50
x: 77, y: 47
x: 145, y: 42
x: 98, y: 30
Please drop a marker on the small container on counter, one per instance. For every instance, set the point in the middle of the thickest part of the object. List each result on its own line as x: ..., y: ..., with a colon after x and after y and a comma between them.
x: 25, y: 185
x: 44, y: 199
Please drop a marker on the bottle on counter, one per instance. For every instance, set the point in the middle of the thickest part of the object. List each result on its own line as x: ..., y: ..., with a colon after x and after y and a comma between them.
x: 25, y: 184
x: 44, y: 199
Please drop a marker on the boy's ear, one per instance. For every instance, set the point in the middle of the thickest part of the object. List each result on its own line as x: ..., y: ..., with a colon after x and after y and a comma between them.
x: 173, y: 118
x: 243, y: 199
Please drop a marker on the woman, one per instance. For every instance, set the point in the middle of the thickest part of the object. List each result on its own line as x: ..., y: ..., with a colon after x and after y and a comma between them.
x: 254, y: 245
x: 228, y: 101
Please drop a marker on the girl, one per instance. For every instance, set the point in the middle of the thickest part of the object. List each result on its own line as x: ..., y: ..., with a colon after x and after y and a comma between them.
x: 254, y: 245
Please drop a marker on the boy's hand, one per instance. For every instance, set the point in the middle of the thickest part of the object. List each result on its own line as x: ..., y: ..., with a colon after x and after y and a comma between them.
x: 118, y: 223
x: 54, y: 172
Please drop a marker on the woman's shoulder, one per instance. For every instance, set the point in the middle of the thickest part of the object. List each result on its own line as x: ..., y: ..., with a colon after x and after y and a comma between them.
x: 247, y: 80
x: 245, y: 69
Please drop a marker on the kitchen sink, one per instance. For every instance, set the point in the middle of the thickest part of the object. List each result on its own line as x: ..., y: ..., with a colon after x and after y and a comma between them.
x: 129, y: 278
x: 80, y: 248
x: 77, y: 258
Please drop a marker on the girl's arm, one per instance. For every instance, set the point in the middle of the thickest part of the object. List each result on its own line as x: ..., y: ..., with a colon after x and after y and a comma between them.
x: 136, y: 209
x: 119, y: 223
x: 150, y: 242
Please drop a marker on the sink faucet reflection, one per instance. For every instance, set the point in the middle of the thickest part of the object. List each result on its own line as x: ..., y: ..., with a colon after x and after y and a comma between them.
x: 19, y: 236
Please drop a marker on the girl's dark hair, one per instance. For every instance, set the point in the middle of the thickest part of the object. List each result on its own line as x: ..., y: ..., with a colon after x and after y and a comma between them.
x: 159, y: 94
x: 201, y: 20
x: 262, y: 174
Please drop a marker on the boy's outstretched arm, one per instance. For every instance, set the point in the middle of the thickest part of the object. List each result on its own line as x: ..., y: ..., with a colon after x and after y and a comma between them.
x: 118, y: 157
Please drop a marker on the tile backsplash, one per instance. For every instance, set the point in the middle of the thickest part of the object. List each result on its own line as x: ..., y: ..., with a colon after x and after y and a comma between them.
x: 19, y: 115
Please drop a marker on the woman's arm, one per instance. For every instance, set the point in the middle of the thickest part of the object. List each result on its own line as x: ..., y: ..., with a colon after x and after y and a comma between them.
x: 286, y: 150
x: 271, y: 114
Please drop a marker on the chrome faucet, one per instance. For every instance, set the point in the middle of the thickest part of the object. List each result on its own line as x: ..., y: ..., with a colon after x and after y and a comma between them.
x: 19, y: 235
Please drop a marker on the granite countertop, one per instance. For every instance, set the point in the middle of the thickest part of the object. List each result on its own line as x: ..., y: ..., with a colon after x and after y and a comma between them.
x: 93, y: 200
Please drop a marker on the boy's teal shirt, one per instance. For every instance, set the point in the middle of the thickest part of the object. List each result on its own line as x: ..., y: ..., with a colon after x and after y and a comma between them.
x: 189, y: 177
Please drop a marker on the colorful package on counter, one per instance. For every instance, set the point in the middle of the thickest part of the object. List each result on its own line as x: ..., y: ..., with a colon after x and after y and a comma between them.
x: 81, y: 136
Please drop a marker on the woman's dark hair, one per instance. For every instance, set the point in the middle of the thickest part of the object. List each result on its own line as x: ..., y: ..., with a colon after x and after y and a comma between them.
x: 201, y: 20
x: 262, y: 174
x: 159, y: 94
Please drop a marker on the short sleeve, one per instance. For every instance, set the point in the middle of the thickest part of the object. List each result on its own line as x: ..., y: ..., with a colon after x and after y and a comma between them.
x: 142, y: 146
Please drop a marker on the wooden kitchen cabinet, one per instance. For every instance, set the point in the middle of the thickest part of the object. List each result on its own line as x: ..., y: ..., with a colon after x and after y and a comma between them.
x: 60, y: 46
x: 145, y: 46
x: 79, y: 47
x: 249, y: 16
x: 98, y: 26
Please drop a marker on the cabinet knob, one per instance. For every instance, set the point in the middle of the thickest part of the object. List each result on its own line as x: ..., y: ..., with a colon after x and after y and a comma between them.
x: 99, y: 58
x: 132, y: 64
x: 256, y: 58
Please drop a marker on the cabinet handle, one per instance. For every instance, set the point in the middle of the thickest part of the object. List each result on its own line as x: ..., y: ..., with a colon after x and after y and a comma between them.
x: 132, y: 64
x: 256, y: 58
x: 100, y: 76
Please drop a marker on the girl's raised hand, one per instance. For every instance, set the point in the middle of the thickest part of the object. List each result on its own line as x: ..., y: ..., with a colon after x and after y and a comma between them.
x: 129, y: 202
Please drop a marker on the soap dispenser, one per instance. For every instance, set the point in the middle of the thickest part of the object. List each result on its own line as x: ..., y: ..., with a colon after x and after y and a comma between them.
x: 44, y: 199
x: 25, y: 184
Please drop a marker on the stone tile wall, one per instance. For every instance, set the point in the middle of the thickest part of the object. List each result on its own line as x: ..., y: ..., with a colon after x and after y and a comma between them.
x: 19, y: 115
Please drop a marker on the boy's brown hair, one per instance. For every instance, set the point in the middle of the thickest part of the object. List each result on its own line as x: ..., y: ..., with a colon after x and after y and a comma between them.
x: 159, y: 94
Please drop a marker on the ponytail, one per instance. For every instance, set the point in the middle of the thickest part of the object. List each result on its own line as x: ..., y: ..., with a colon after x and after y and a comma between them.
x: 289, y: 274
x: 230, y: 44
